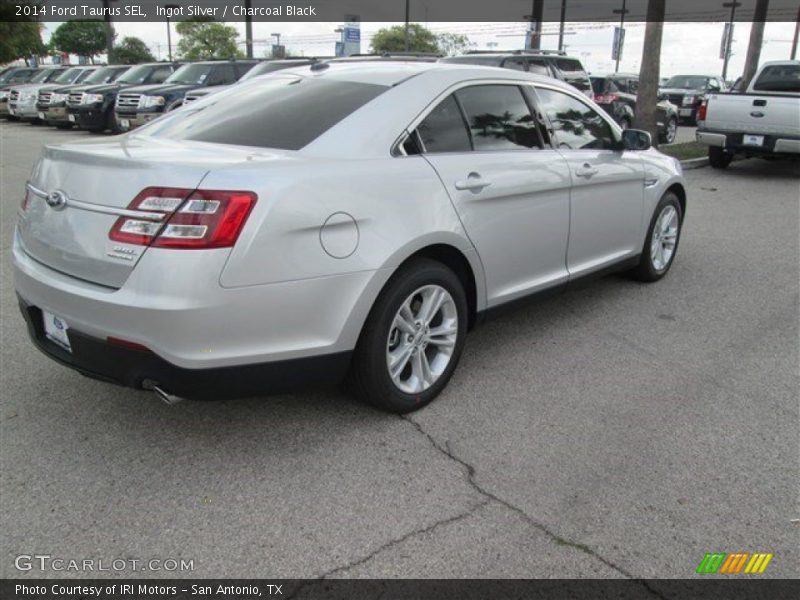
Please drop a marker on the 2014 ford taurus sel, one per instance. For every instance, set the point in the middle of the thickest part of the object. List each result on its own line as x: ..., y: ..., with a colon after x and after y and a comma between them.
x: 330, y: 219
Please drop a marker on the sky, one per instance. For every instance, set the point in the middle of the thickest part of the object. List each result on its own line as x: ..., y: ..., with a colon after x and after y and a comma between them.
x: 687, y: 47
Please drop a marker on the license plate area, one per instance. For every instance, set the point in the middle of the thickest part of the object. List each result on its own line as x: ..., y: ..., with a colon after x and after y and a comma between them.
x: 71, y: 118
x: 752, y: 140
x: 55, y: 330
x: 41, y: 116
x: 125, y: 124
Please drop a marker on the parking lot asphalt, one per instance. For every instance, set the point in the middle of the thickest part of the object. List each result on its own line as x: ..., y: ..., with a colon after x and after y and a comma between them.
x: 618, y: 430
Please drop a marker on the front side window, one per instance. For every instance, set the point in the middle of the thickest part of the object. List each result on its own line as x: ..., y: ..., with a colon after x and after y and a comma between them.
x: 576, y: 125
x: 444, y: 130
x: 282, y: 112
x: 498, y: 117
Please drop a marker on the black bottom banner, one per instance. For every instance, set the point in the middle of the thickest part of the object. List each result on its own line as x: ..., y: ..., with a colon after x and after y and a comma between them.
x: 396, y: 589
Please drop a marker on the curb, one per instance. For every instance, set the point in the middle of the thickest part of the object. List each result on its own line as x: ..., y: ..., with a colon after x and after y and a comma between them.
x: 694, y: 163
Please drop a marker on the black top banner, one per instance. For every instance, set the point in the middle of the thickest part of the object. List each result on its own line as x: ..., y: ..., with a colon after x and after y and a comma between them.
x: 390, y: 10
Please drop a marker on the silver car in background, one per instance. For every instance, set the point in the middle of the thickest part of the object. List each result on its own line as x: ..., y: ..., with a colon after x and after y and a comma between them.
x: 330, y: 220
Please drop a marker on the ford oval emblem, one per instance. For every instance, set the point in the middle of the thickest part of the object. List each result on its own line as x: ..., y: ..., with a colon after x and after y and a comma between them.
x: 56, y: 200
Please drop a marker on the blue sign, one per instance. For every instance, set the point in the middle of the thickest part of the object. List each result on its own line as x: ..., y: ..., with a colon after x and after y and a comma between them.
x: 351, y: 34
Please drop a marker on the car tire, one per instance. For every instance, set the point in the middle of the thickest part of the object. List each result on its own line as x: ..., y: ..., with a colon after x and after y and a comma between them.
x: 670, y: 131
x: 421, y: 280
x: 661, y: 243
x: 718, y: 158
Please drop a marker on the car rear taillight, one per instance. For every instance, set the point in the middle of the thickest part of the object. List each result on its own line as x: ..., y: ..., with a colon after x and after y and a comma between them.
x: 701, y: 112
x: 184, y: 219
x: 605, y: 98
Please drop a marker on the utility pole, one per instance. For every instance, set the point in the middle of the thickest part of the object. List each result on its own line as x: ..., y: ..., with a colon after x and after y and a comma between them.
x: 756, y: 40
x: 535, y: 27
x: 248, y: 28
x: 729, y: 42
x: 109, y: 29
x: 408, y: 11
x: 561, y: 25
x: 796, y: 35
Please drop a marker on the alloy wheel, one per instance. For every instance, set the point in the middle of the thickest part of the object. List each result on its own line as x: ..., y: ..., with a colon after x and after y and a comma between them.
x: 665, y: 238
x: 421, y: 339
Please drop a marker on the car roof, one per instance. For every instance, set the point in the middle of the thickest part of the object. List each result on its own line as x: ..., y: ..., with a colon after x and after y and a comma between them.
x: 390, y: 73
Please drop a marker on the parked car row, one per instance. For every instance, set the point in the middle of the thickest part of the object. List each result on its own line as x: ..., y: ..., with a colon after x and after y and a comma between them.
x: 119, y: 98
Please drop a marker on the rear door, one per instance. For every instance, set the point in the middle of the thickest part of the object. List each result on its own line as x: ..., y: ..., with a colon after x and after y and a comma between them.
x: 607, y: 184
x: 511, y: 193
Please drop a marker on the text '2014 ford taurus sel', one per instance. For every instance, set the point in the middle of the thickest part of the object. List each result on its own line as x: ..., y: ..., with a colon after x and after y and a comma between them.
x: 341, y: 218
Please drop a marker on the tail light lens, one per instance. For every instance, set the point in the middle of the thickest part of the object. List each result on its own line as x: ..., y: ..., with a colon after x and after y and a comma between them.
x: 190, y: 219
x: 605, y: 98
x: 701, y: 112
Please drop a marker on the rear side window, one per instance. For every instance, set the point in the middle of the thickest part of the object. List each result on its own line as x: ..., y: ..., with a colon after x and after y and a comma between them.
x: 222, y: 75
x: 498, y: 117
x: 444, y: 130
x: 779, y: 78
x: 539, y: 67
x: 284, y: 113
x: 517, y: 64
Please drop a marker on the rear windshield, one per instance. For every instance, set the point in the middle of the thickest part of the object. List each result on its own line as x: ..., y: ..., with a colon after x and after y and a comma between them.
x: 474, y: 59
x: 279, y: 112
x: 687, y: 82
x: 779, y: 78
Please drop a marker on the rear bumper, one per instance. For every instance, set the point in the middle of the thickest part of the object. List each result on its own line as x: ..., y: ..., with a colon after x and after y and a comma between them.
x: 135, y: 368
x: 733, y: 143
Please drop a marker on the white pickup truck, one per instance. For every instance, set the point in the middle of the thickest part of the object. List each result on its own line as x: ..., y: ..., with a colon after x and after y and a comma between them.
x: 763, y: 121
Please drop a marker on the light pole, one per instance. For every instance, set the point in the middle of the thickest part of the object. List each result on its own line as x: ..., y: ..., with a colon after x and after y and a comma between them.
x: 561, y: 26
x: 169, y: 8
x: 729, y: 41
x: 796, y: 35
x: 109, y: 29
x: 621, y: 12
x: 408, y: 11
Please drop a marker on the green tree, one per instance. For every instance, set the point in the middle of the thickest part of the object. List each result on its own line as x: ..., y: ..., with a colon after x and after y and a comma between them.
x: 20, y: 37
x: 203, y: 39
x: 393, y: 39
x: 84, y: 37
x: 451, y: 44
x: 130, y: 51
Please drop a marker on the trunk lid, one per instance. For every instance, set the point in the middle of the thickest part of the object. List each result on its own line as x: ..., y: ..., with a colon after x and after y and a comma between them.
x: 98, y: 180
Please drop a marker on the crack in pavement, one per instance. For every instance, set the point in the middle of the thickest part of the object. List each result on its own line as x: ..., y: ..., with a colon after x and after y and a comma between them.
x: 470, y: 472
x: 390, y: 544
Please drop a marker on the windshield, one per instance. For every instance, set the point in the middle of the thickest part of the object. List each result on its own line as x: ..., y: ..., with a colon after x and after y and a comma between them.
x: 67, y: 76
x: 45, y: 75
x: 277, y: 112
x: 190, y: 74
x: 688, y: 82
x: 779, y: 78
x: 103, y: 75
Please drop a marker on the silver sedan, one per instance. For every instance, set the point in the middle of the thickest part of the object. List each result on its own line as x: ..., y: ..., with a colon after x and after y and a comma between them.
x: 330, y: 221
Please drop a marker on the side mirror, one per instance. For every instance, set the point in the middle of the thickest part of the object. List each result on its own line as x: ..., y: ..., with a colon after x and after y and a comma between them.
x: 635, y: 139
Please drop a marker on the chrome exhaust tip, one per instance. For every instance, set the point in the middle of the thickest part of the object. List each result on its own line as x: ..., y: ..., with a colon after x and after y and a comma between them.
x: 164, y: 395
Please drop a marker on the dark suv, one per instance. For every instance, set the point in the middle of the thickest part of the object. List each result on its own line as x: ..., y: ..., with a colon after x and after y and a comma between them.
x: 687, y: 92
x: 542, y: 62
x: 139, y: 105
x: 617, y: 95
x: 92, y: 107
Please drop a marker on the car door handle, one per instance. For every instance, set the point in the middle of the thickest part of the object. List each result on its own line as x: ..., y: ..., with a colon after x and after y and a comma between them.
x: 587, y: 171
x: 474, y: 183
